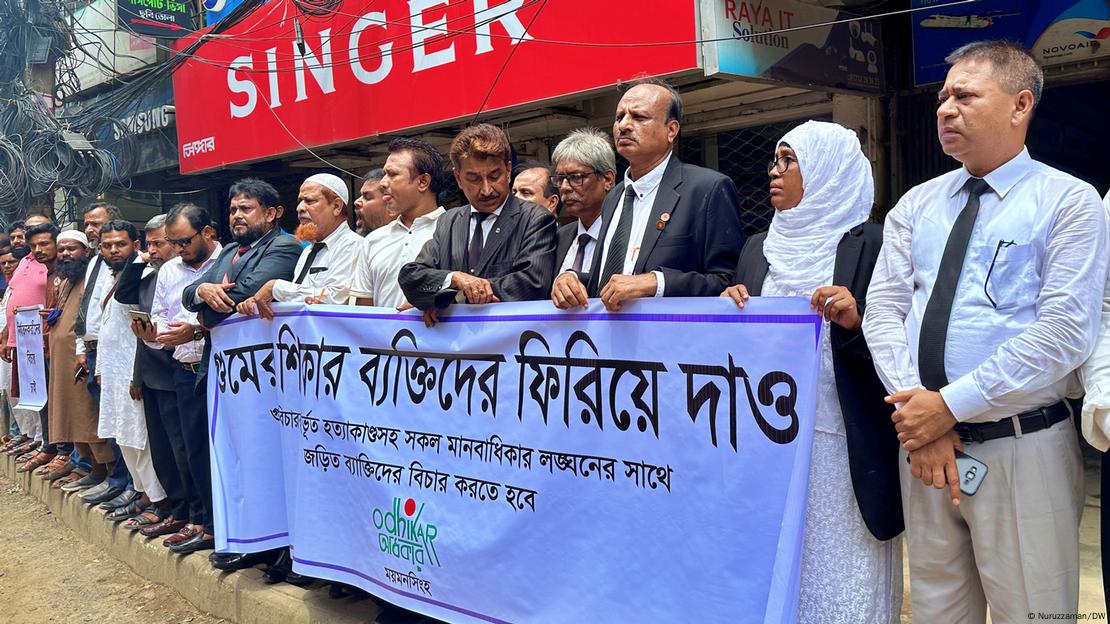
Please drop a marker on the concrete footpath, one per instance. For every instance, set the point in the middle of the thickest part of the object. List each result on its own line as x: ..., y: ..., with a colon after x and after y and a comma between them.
x: 241, y: 597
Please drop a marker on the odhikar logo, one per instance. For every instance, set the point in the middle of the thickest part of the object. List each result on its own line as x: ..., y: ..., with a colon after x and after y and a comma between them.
x: 1103, y: 33
x: 402, y: 534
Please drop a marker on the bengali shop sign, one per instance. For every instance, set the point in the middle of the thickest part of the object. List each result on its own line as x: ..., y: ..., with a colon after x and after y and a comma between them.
x: 516, y: 463
x: 374, y: 67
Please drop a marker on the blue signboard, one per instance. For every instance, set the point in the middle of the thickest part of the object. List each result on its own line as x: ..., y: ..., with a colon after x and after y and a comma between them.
x: 216, y: 10
x: 1056, y: 31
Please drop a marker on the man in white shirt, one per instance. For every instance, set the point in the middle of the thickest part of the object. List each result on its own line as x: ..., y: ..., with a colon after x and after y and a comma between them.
x: 413, y: 176
x: 585, y: 171
x: 326, y: 267
x: 98, y: 281
x: 984, y: 300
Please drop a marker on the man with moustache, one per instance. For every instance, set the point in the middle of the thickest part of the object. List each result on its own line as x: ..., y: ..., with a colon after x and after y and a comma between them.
x: 326, y: 269
x: 585, y: 171
x: 414, y: 174
x: 371, y: 211
x: 496, y: 249
x: 532, y: 183
x: 259, y: 254
x: 73, y: 414
x: 669, y: 229
x: 121, y: 408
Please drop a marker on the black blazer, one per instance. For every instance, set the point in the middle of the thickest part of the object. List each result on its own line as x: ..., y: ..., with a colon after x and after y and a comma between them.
x: 517, y: 259
x: 872, y: 440
x: 697, y: 248
x: 153, y: 367
x: 274, y: 256
x: 564, y: 239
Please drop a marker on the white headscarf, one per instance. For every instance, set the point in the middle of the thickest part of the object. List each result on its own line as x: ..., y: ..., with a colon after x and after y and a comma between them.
x: 838, y: 193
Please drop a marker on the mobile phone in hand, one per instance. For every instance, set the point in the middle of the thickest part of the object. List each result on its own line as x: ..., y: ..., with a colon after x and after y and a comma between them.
x: 972, y: 472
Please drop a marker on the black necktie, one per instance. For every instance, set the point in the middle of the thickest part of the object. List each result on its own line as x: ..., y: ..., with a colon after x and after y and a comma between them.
x: 474, y: 253
x: 618, y: 245
x: 312, y: 253
x: 86, y: 298
x: 580, y: 256
x: 934, y: 323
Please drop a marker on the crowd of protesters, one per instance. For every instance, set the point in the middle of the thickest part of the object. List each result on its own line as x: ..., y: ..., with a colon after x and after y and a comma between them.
x: 964, y: 325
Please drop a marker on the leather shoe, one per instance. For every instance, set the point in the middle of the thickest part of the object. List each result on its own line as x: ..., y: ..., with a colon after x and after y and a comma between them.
x: 108, y: 494
x: 83, y: 483
x: 187, y: 532
x: 239, y: 561
x: 58, y: 473
x: 193, y: 544
x: 122, y: 499
x: 95, y: 490
x: 280, y: 569
x: 168, y: 526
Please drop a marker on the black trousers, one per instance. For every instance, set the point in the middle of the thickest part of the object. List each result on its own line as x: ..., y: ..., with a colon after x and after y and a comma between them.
x: 167, y: 450
x: 193, y: 410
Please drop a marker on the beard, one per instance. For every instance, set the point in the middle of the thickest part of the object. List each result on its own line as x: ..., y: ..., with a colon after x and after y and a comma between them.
x: 119, y: 266
x: 307, y: 233
x: 252, y: 234
x: 21, y: 252
x: 71, y: 270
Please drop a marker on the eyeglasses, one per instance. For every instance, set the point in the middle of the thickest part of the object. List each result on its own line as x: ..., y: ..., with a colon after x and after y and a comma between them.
x: 182, y: 242
x: 575, y: 179
x: 782, y: 163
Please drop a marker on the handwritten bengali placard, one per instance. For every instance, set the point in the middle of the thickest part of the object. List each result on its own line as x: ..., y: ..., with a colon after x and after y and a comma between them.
x: 29, y: 358
x: 517, y: 463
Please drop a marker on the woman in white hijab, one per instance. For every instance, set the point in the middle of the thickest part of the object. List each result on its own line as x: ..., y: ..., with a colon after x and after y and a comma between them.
x: 821, y: 246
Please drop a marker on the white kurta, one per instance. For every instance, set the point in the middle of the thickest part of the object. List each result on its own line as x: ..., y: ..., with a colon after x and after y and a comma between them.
x: 121, y: 417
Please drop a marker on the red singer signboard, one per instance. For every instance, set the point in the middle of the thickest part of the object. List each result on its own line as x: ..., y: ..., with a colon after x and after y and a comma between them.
x: 281, y: 80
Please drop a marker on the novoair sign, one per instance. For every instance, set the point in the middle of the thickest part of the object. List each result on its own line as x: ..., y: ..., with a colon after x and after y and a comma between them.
x: 281, y: 80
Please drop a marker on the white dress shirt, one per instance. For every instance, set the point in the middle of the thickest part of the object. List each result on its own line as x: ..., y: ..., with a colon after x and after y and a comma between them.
x: 332, y: 271
x: 173, y: 277
x: 1095, y: 375
x: 487, y: 227
x: 385, y: 251
x: 646, y: 188
x: 103, y: 284
x: 594, y: 230
x: 1042, y: 236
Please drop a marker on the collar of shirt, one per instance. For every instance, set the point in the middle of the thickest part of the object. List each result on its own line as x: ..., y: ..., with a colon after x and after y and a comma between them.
x: 1002, y: 179
x: 593, y: 230
x: 650, y: 180
x: 495, y: 213
x: 429, y: 218
x: 339, y: 232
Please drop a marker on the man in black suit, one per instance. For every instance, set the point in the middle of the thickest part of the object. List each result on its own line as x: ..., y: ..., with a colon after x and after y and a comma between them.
x: 259, y: 254
x: 670, y: 229
x: 496, y: 249
x: 585, y: 171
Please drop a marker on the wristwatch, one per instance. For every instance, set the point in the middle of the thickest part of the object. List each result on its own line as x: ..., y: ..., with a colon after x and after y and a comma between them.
x: 198, y: 332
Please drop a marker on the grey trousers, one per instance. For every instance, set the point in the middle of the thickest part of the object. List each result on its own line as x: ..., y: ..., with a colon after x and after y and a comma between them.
x: 1013, y: 546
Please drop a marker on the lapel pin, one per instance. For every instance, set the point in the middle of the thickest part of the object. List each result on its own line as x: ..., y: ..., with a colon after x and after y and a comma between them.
x: 496, y: 230
x: 659, y: 225
x: 666, y: 216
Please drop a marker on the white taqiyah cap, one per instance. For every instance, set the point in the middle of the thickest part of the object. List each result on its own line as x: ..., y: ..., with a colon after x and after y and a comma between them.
x: 333, y: 183
x: 76, y: 235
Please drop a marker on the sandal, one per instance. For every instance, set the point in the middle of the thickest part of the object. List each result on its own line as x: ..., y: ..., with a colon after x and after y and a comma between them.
x: 39, y: 460
x: 148, y: 517
x: 128, y: 511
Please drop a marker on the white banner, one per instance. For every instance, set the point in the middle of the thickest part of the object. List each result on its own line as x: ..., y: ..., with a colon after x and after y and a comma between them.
x: 29, y: 358
x: 517, y: 463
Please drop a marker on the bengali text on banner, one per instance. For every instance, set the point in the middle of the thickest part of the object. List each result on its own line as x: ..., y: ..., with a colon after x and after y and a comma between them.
x: 517, y: 463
